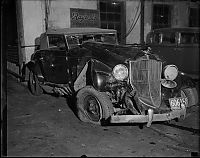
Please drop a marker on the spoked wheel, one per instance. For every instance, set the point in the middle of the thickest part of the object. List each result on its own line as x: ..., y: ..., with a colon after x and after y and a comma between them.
x: 93, y: 106
x: 33, y: 84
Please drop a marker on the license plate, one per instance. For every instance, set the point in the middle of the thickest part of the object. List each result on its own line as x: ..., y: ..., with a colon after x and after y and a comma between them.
x: 178, y: 103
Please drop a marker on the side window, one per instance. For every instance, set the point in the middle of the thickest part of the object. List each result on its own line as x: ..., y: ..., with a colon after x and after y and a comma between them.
x: 56, y: 41
x: 189, y: 38
x: 72, y: 41
x: 156, y: 38
x: 109, y: 38
x: 168, y: 38
x: 196, y: 39
x: 87, y: 38
x: 98, y: 38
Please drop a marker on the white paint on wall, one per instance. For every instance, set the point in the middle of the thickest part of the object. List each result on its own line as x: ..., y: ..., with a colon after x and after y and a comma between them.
x: 33, y: 23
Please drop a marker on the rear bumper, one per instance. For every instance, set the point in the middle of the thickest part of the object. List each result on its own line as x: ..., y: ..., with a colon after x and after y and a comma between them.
x: 148, y: 118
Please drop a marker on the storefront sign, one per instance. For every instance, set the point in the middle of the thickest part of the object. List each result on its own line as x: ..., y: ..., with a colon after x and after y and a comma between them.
x: 84, y: 17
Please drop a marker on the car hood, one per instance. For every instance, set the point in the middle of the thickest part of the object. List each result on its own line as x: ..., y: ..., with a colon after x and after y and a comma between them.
x: 111, y: 54
x: 108, y: 54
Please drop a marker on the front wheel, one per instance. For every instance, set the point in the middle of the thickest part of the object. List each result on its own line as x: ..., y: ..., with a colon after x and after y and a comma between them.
x: 33, y: 84
x: 93, y: 106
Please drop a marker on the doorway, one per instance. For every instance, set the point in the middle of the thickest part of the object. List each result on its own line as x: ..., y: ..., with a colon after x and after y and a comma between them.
x: 112, y: 16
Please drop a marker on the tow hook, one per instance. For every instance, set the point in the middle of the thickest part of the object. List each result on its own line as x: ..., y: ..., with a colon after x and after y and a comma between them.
x: 150, y: 117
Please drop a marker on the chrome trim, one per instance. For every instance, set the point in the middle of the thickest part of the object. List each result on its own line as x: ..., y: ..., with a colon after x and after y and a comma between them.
x: 152, y: 63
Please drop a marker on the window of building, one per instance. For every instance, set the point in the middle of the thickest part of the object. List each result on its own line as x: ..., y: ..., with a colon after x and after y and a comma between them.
x: 111, y: 16
x: 194, y: 17
x: 161, y: 16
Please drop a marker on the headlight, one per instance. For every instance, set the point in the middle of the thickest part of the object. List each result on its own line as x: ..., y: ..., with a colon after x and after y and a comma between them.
x: 120, y: 72
x: 170, y: 72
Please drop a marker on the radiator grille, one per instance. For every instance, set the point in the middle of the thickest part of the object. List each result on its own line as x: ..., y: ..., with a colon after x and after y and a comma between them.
x: 145, y: 76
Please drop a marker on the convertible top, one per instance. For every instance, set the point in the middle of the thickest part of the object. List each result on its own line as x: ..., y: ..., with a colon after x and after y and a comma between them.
x: 76, y: 31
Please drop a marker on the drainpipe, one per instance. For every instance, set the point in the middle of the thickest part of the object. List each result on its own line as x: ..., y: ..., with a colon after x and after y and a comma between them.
x: 142, y: 24
x: 46, y: 3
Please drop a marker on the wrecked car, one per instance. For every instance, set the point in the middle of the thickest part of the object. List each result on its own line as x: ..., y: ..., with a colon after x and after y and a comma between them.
x: 110, y: 82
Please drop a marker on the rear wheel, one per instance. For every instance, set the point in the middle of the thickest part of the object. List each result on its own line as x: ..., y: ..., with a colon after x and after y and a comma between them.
x: 93, y: 106
x: 33, y: 84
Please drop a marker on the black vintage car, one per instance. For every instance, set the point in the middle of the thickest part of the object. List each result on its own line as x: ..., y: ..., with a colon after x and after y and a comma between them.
x: 179, y: 46
x: 110, y: 82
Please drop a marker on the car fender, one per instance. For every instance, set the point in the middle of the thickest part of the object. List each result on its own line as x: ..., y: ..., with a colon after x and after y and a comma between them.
x: 184, y: 81
x: 31, y: 65
x: 36, y: 69
x: 94, y: 73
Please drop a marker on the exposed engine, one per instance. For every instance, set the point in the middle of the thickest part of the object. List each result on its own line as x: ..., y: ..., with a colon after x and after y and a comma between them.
x: 122, y: 96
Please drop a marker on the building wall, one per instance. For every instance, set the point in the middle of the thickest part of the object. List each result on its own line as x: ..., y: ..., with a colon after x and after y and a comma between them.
x: 36, y: 14
x: 59, y: 11
x: 179, y: 16
x: 58, y: 17
x: 33, y: 23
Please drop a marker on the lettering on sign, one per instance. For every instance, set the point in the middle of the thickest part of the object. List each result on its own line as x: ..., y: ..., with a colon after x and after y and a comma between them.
x: 84, y: 17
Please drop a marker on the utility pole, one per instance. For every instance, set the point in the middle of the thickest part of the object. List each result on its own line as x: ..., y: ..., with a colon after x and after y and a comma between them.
x: 142, y: 23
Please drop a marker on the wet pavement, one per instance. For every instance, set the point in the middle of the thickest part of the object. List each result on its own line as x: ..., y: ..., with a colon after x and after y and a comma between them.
x: 46, y: 126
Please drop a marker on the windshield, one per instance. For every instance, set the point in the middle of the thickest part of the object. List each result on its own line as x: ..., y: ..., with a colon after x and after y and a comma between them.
x: 72, y: 41
x: 104, y: 38
x: 75, y: 40
x: 189, y: 38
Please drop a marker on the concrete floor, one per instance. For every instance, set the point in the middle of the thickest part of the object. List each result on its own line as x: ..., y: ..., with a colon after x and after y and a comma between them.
x: 46, y: 126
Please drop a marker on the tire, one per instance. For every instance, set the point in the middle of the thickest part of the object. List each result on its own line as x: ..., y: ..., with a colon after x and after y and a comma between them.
x: 33, y: 84
x: 93, y: 106
x: 192, y: 95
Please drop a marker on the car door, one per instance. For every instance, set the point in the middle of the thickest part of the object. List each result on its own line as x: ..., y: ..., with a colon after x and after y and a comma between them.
x: 188, y: 52
x: 54, y: 60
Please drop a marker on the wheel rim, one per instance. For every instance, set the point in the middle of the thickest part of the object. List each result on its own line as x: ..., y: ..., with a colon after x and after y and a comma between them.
x: 92, y: 108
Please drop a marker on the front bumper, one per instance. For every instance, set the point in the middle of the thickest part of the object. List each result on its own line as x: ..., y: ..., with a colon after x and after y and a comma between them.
x: 151, y: 117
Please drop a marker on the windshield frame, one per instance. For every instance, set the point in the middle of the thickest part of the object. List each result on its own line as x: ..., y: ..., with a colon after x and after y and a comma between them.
x: 80, y: 37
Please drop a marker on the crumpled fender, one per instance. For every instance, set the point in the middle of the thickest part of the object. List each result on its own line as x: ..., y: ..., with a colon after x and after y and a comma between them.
x: 94, y: 73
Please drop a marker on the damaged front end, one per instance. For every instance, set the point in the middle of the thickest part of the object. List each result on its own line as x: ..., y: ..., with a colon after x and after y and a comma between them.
x: 143, y: 92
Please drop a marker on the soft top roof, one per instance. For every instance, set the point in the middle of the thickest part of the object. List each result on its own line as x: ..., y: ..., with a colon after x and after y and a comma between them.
x: 76, y: 31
